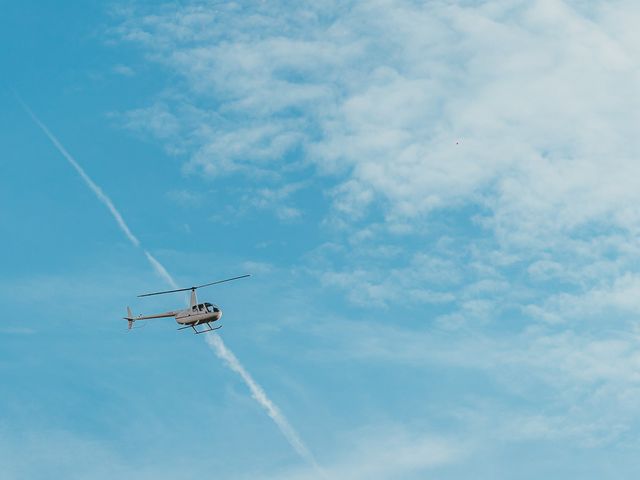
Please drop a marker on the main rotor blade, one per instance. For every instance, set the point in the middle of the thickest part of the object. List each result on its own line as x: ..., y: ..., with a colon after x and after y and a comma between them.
x: 193, y: 288
x: 161, y: 293
x: 222, y: 281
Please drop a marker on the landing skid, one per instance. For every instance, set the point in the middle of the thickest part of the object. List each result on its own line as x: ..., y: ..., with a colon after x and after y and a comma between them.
x: 198, y: 332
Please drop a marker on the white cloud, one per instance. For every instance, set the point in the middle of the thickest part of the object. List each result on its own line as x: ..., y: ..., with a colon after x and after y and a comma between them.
x: 385, y: 452
x: 186, y: 197
x: 380, y: 452
x: 544, y: 383
x: 275, y: 199
x: 513, y: 121
x: 425, y: 280
x: 609, y: 303
x: 124, y: 70
x: 540, y: 93
x: 18, y: 330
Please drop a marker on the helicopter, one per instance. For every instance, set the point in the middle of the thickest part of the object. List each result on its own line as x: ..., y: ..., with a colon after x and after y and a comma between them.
x: 196, y: 314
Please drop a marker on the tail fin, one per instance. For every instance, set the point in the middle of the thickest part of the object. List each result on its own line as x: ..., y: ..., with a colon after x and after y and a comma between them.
x: 129, y: 317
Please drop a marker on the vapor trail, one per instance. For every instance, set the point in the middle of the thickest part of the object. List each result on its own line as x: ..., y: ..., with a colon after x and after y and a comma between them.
x: 214, y: 340
x: 90, y: 183
x: 159, y: 268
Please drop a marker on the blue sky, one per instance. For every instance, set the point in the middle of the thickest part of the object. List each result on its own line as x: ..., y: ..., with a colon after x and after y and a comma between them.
x: 437, y: 202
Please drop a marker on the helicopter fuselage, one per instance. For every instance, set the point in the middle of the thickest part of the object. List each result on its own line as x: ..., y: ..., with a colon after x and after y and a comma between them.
x: 199, y: 314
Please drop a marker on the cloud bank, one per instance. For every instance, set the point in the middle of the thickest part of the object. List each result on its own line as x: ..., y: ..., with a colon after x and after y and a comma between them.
x: 479, y: 158
x: 524, y: 109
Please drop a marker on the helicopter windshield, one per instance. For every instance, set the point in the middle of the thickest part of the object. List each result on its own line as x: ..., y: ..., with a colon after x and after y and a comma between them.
x: 208, y: 307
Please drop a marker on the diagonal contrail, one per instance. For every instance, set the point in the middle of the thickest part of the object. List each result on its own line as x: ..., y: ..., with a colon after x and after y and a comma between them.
x: 160, y: 270
x: 214, y: 341
x: 90, y: 183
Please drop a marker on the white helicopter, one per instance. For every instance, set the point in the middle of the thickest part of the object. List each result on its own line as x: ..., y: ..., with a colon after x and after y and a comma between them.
x: 196, y: 314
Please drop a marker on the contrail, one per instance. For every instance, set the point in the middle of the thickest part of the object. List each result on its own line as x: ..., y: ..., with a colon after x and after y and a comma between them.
x: 160, y: 270
x: 214, y: 341
x: 90, y: 183
x: 157, y: 266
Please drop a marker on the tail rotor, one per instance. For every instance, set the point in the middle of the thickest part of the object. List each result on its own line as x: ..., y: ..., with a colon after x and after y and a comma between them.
x: 130, y: 318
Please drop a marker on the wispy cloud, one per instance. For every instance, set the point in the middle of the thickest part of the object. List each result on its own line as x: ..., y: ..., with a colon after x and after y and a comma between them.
x: 481, y: 163
x: 386, y: 452
x: 123, y: 70
x: 379, y: 94
x: 18, y: 331
x: 381, y: 453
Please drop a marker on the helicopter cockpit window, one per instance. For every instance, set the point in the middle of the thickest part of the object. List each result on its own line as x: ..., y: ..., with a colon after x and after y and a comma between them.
x: 208, y: 307
x: 201, y: 307
x: 195, y: 308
